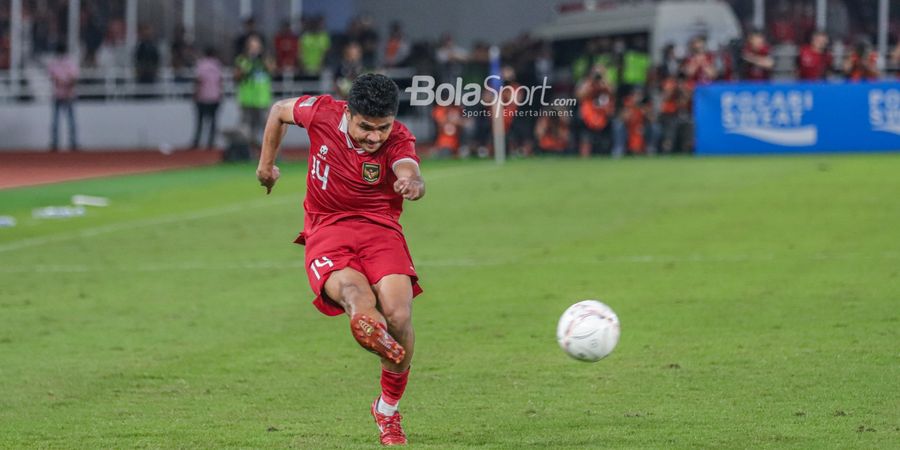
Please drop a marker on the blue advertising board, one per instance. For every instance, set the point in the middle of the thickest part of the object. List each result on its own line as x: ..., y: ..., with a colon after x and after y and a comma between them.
x: 745, y: 118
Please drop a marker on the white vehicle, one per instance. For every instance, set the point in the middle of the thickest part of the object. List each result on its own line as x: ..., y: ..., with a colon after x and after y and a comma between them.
x: 662, y: 22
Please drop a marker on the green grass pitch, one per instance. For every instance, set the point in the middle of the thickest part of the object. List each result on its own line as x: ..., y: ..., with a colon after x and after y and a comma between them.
x: 759, y: 300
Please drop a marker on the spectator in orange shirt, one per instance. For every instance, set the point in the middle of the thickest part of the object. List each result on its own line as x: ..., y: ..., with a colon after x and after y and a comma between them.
x: 675, y: 116
x: 596, y: 108
x: 862, y: 63
x: 396, y: 49
x: 553, y: 132
x: 448, y: 123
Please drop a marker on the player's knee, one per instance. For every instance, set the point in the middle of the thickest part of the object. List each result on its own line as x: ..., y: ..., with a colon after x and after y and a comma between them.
x: 398, y: 316
x: 358, y: 296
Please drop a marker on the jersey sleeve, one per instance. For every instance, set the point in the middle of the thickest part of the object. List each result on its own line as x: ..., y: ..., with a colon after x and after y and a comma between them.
x: 305, y: 109
x: 403, y: 150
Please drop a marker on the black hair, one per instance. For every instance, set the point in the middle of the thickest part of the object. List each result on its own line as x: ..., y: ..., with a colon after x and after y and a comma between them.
x: 374, y: 95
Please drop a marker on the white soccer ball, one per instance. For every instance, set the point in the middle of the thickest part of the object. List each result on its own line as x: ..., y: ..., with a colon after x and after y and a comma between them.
x: 588, y: 331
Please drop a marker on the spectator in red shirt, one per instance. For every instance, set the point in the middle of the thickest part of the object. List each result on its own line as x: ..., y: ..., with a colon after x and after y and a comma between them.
x: 862, y: 63
x: 784, y: 25
x: 814, y: 60
x: 286, y: 46
x: 700, y: 65
x: 757, y: 64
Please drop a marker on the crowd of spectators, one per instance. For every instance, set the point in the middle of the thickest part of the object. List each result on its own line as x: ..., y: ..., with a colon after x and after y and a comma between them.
x: 626, y: 104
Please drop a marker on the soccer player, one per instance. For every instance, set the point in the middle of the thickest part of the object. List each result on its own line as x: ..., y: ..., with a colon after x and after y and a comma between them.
x: 362, y: 165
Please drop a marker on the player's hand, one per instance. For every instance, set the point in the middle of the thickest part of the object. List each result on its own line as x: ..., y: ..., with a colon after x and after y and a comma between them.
x: 267, y: 177
x: 410, y: 188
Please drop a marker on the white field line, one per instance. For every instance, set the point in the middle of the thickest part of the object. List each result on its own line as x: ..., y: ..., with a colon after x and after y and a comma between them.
x: 143, y: 223
x: 183, y: 217
x: 463, y: 263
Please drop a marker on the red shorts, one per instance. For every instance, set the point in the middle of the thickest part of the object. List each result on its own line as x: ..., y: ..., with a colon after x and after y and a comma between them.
x: 371, y: 249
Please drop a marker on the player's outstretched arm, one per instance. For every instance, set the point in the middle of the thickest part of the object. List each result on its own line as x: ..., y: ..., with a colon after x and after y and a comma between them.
x: 409, y: 182
x: 280, y: 116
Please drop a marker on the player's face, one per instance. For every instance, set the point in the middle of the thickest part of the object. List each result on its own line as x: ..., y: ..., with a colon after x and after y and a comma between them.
x: 820, y: 41
x: 369, y: 132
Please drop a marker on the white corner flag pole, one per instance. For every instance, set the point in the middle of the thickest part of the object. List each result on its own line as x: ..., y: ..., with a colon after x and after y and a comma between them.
x: 499, y: 131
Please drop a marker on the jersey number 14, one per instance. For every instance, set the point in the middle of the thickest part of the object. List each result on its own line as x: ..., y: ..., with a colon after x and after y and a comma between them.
x: 320, y: 173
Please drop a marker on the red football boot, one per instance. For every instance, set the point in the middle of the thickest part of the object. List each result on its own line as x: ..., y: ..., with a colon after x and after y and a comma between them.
x: 373, y: 336
x: 391, y: 430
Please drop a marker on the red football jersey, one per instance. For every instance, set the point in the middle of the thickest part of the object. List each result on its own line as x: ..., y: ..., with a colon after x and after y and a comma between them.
x: 811, y: 64
x: 752, y: 72
x: 343, y: 180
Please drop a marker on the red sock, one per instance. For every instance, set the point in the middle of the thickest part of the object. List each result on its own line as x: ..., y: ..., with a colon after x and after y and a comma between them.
x: 392, y: 385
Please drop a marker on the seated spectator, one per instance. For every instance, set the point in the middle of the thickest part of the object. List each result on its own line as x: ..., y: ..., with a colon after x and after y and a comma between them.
x: 814, y: 61
x: 757, y: 64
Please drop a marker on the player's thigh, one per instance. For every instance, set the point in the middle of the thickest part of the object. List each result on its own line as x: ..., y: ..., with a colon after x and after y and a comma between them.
x: 349, y: 288
x: 383, y: 253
